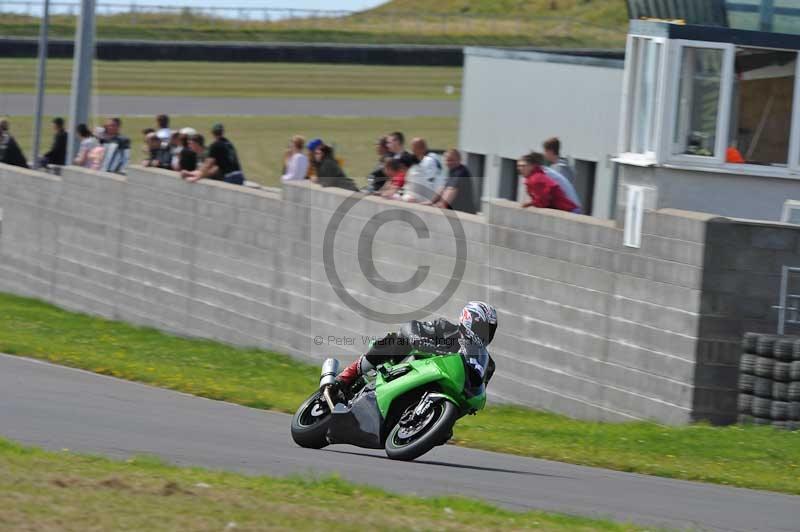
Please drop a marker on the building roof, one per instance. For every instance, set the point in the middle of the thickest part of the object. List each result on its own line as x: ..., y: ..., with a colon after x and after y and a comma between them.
x: 600, y: 58
x: 757, y: 39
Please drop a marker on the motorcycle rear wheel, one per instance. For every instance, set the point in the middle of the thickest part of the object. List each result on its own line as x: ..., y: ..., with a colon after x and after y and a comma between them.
x: 310, y: 423
x: 409, y: 443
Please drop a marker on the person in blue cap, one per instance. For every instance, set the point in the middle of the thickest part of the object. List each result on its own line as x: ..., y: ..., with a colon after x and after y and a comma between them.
x: 312, y: 146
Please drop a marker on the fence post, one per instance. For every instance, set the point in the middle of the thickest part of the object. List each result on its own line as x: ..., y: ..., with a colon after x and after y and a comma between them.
x: 44, y: 30
x: 81, y: 74
x: 783, y: 299
x: 767, y: 15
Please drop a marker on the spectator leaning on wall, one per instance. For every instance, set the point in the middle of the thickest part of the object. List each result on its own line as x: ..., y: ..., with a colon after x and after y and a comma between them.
x: 425, y: 176
x: 197, y: 159
x: 552, y: 152
x: 88, y: 143
x: 329, y: 173
x: 187, y: 158
x: 377, y: 178
x: 117, y: 147
x: 164, y: 132
x: 312, y: 146
x: 396, y: 170
x: 58, y: 151
x: 224, y: 155
x: 396, y: 143
x: 10, y: 152
x: 159, y: 156
x: 296, y: 163
x: 544, y: 191
x: 566, y: 186
x: 457, y: 193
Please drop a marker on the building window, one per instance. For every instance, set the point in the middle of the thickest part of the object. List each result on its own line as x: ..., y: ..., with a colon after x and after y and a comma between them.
x: 711, y: 105
x: 762, y: 106
x: 644, y: 123
x: 699, y: 93
x: 645, y: 78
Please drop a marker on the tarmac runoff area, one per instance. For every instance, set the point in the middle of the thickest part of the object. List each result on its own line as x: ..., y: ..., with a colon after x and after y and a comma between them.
x: 56, y: 407
x: 58, y: 105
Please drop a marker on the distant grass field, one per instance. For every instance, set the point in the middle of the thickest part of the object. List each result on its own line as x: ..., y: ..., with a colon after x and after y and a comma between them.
x: 553, y: 23
x: 752, y: 457
x: 261, y: 141
x: 60, y: 491
x: 245, y: 80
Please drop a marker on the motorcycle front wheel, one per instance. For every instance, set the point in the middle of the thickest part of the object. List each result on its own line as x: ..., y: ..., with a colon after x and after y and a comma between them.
x: 310, y: 423
x: 410, y: 438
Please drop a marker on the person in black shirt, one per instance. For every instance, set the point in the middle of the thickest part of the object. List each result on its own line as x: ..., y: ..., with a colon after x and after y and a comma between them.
x: 10, y: 152
x: 193, y: 147
x: 377, y: 178
x: 224, y: 157
x: 457, y: 192
x: 395, y: 143
x: 58, y: 151
x: 158, y: 155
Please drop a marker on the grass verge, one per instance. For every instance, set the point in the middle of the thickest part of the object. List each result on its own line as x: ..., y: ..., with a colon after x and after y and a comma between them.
x: 241, y: 80
x: 753, y: 457
x: 262, y: 140
x: 47, y: 491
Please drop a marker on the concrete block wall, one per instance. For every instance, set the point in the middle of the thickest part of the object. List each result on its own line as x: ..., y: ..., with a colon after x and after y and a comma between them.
x: 589, y: 328
x: 741, y: 285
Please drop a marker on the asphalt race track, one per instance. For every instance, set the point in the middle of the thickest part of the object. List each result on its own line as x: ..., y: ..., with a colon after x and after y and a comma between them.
x: 56, y: 408
x: 58, y: 104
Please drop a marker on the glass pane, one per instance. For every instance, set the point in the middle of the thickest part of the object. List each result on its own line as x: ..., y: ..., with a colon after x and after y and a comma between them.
x: 762, y: 105
x: 698, y: 103
x: 647, y: 78
x: 779, y: 16
x: 787, y: 16
x: 744, y: 14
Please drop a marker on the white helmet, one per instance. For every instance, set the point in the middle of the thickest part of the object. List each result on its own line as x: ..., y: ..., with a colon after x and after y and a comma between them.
x: 478, y: 322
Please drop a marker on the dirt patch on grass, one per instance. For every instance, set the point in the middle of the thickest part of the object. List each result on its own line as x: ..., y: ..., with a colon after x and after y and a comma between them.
x: 173, y: 488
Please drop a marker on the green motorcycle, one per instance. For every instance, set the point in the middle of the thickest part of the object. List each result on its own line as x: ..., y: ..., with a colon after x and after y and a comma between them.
x: 407, y: 408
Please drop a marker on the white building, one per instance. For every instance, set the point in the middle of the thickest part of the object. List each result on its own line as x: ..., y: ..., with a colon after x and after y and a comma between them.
x: 514, y: 100
x: 706, y: 118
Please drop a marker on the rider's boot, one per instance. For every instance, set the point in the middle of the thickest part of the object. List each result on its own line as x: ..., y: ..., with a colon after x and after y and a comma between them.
x: 347, y: 377
x: 354, y: 371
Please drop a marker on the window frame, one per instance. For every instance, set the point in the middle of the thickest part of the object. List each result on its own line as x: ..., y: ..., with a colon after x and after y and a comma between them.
x: 668, y: 100
x: 636, y: 47
x: 723, y: 115
x: 794, y: 131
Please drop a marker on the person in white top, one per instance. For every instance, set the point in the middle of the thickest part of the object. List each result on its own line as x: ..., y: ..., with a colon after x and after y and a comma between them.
x: 296, y: 162
x: 424, y: 178
x: 88, y: 143
x: 164, y: 133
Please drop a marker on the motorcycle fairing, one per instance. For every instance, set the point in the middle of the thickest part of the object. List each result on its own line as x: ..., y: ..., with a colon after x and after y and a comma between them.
x: 359, y: 425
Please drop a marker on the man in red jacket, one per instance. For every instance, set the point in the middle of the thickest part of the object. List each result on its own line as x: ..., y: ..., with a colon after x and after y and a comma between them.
x: 545, y: 192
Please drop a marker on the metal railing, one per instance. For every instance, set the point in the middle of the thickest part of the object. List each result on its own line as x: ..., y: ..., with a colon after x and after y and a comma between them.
x: 35, y: 8
x: 789, y: 305
x: 765, y: 10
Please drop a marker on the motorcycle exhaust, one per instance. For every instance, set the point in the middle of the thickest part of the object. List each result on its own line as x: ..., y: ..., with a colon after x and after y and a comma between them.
x: 330, y: 369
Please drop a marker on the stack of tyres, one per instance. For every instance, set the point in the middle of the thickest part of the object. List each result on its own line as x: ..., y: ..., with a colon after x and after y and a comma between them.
x: 769, y: 381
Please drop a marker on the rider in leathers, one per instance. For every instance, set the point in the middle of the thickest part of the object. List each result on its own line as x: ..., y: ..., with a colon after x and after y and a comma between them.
x: 470, y: 337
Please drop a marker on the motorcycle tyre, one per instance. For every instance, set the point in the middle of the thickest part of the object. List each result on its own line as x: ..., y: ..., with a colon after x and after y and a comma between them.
x: 310, y: 436
x: 436, y: 434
